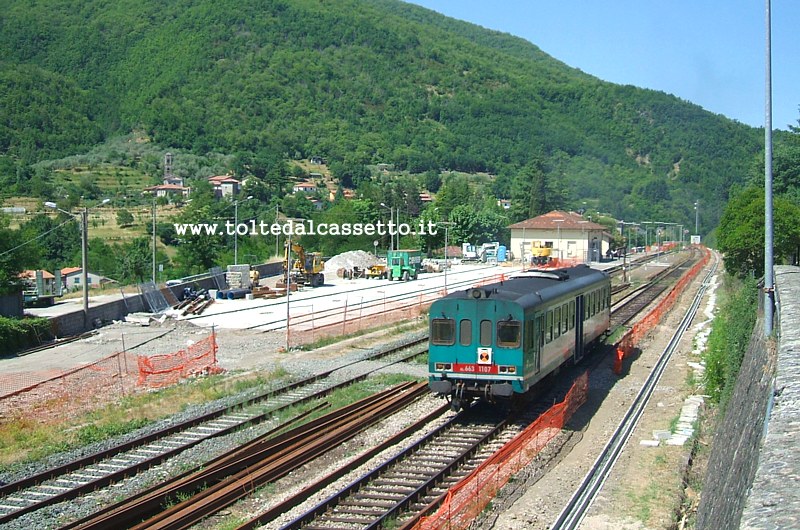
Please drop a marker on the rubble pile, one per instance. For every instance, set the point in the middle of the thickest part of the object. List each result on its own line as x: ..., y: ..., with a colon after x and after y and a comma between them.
x: 348, y: 261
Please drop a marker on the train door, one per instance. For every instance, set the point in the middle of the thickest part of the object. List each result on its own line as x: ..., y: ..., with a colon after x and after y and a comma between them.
x: 539, y: 341
x: 578, y: 319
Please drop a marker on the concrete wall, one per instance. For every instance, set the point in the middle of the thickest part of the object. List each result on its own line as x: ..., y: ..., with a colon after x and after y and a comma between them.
x: 751, y: 481
x: 73, y: 323
x: 774, y: 500
x: 734, y: 453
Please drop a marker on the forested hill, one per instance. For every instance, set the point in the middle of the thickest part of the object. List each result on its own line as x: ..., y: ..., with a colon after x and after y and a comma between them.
x: 363, y: 81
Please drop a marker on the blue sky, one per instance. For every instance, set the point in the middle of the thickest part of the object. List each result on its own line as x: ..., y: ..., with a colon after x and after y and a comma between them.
x: 709, y: 52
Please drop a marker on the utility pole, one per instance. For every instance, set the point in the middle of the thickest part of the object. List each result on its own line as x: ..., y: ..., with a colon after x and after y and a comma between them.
x: 769, y: 281
x: 154, y: 240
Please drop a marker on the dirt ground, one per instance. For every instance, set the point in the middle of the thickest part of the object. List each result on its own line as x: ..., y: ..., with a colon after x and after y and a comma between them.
x: 646, y: 486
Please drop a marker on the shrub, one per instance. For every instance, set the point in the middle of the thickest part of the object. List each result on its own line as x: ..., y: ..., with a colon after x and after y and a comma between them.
x: 19, y: 333
x: 730, y: 335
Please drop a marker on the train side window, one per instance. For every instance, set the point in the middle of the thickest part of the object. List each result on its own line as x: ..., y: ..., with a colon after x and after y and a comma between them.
x: 486, y: 332
x: 465, y: 332
x: 593, y: 304
x: 564, y: 318
x: 556, y: 322
x: 443, y: 331
x: 508, y: 333
x: 549, y: 327
x: 585, y: 307
x: 541, y: 332
x: 572, y: 314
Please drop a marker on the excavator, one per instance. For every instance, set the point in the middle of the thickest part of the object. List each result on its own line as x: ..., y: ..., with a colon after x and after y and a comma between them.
x: 306, y: 268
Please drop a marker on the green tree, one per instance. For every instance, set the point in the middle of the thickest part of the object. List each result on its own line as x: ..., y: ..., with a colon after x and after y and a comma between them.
x: 741, y: 232
x: 11, y: 262
x: 135, y: 261
x: 124, y: 218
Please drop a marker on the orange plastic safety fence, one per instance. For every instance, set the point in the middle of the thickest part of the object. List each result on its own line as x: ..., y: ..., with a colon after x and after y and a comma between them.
x: 644, y: 326
x: 164, y: 370
x: 469, y: 497
x: 57, y: 394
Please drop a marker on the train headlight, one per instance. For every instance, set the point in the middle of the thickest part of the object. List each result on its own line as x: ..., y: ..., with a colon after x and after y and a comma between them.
x: 507, y: 369
x: 443, y: 367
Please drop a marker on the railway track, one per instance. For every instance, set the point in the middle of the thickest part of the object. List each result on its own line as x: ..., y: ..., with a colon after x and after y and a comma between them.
x: 630, y: 305
x: 106, y: 467
x: 577, y: 506
x: 99, y: 470
x: 221, y: 482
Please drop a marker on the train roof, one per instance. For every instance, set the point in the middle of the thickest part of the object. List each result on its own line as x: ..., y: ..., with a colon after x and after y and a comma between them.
x: 535, y: 286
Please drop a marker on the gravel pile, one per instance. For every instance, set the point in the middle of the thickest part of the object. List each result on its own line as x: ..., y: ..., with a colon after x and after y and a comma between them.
x: 349, y: 260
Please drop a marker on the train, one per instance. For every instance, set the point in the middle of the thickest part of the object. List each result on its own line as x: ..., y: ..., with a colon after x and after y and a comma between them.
x: 496, y: 341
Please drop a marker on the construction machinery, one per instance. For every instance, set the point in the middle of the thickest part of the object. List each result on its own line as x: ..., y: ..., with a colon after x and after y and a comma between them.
x: 404, y: 264
x: 379, y: 270
x: 540, y: 254
x: 305, y: 269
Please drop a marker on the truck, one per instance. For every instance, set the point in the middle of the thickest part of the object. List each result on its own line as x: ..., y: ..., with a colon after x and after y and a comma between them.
x: 404, y: 264
x: 40, y: 287
x: 469, y: 252
x: 305, y: 269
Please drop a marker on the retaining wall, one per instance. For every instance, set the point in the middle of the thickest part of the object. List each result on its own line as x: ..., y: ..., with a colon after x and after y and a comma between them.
x: 751, y: 481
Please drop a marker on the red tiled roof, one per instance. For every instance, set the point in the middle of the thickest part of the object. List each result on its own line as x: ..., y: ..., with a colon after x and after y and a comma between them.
x: 552, y: 220
x: 222, y: 179
x: 69, y: 270
x: 166, y: 187
x: 32, y: 275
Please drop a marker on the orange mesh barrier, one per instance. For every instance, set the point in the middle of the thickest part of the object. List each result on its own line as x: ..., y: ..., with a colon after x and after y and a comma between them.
x: 58, y: 394
x: 164, y: 370
x: 469, y: 497
x: 644, y: 326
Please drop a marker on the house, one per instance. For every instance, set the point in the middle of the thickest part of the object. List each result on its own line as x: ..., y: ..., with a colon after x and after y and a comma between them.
x: 304, y: 187
x: 169, y: 190
x: 569, y: 236
x: 505, y: 204
x: 317, y: 160
x: 72, y: 278
x: 425, y: 197
x: 225, y: 186
x: 174, y: 180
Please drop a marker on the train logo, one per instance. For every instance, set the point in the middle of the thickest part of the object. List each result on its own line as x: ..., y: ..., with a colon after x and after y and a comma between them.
x: 484, y: 356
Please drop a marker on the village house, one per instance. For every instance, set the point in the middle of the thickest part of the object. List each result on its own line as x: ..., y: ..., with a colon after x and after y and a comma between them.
x: 72, y: 278
x: 571, y: 237
x: 225, y: 186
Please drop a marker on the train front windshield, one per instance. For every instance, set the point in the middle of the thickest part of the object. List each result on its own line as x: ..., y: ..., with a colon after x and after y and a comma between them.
x: 508, y: 334
x: 443, y: 331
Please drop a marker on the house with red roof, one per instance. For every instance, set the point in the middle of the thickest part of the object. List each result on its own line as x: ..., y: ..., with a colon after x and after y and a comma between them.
x: 169, y: 190
x: 225, y: 186
x: 568, y: 235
